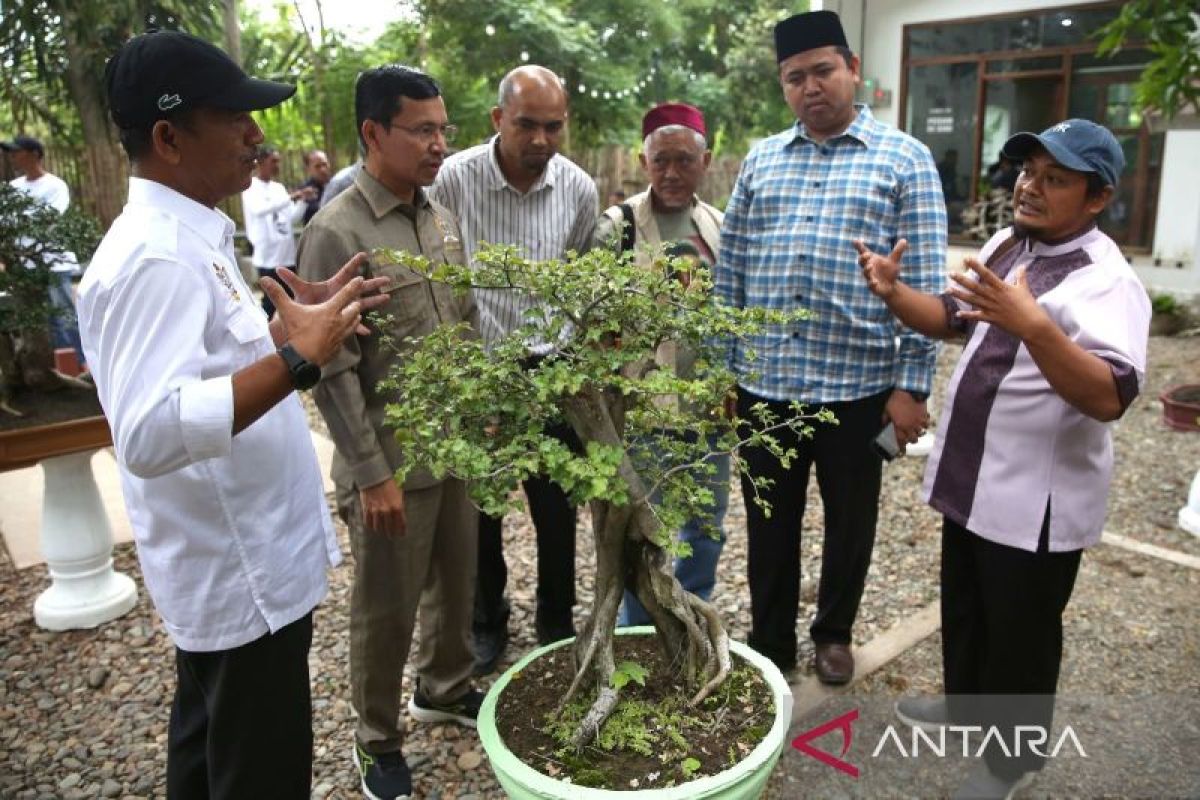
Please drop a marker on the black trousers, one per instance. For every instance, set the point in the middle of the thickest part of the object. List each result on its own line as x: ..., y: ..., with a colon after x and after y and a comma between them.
x: 241, y: 721
x: 554, y: 522
x: 1002, y: 636
x: 848, y: 475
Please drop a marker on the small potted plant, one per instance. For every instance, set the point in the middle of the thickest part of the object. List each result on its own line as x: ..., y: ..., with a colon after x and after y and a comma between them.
x: 1167, y: 315
x: 479, y: 415
x: 1181, y: 407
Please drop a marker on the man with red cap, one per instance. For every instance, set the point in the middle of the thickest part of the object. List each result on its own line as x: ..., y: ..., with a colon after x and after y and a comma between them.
x: 675, y: 157
x: 801, y: 200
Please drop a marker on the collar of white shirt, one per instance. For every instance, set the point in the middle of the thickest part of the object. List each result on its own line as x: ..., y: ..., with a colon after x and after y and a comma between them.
x: 210, y: 224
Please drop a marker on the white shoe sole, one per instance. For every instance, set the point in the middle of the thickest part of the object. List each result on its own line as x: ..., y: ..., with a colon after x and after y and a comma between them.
x: 433, y: 715
x: 1021, y: 783
x: 926, y: 725
x: 362, y: 782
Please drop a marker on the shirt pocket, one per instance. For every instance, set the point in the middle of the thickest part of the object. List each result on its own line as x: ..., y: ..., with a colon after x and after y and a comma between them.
x: 245, y: 324
x: 873, y: 213
x: 411, y: 304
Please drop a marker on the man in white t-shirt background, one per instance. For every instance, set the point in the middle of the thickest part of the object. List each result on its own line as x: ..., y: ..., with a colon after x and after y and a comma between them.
x: 26, y: 155
x: 271, y: 213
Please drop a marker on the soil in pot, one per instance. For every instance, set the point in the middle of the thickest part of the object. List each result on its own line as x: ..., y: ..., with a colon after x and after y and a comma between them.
x: 653, y: 739
x: 45, y: 408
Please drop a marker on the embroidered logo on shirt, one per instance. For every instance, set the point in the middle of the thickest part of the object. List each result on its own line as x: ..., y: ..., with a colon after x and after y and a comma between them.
x: 169, y: 101
x: 223, y: 279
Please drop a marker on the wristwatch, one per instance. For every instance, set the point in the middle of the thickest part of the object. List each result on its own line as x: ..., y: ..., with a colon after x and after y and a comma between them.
x: 303, y: 372
x: 920, y: 397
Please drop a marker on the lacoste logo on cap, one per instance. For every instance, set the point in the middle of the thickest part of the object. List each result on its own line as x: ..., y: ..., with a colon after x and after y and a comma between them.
x: 168, y: 101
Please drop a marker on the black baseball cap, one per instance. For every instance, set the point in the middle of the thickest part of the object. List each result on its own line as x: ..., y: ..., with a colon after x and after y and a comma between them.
x: 1077, y: 144
x: 162, y: 72
x: 24, y: 143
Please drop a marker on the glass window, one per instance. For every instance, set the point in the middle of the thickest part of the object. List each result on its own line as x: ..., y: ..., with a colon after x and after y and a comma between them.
x: 1029, y: 31
x: 940, y: 111
x: 1023, y: 64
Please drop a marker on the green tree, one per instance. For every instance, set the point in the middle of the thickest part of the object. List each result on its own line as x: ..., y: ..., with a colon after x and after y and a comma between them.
x: 479, y: 415
x: 62, y: 46
x: 1170, y: 30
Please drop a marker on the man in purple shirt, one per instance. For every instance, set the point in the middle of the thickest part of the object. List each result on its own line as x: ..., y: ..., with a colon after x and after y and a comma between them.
x: 1056, y: 325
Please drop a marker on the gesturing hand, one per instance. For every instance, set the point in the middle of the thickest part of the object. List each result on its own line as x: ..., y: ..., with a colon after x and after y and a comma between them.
x: 317, y: 331
x: 1009, y: 306
x: 307, y: 293
x: 882, y: 272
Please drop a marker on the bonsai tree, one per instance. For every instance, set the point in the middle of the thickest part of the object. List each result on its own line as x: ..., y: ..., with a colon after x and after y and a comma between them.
x: 32, y: 238
x: 479, y: 415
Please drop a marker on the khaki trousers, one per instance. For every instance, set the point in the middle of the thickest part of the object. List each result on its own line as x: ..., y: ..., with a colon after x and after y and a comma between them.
x: 431, y: 571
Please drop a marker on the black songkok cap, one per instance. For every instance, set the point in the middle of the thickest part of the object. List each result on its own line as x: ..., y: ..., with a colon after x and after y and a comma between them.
x: 160, y: 72
x: 808, y: 31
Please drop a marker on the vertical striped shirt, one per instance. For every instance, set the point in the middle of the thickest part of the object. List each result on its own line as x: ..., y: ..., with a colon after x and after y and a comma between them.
x: 787, y: 243
x: 557, y: 215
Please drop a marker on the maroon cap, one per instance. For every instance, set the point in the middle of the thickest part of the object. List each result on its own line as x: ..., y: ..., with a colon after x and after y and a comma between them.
x: 673, y: 114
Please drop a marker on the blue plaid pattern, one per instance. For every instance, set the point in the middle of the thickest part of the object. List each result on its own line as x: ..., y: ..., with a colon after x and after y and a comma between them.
x: 795, y: 210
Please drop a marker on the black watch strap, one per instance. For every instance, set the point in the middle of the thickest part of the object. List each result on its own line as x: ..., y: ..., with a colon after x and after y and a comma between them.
x: 304, y: 373
x: 920, y: 397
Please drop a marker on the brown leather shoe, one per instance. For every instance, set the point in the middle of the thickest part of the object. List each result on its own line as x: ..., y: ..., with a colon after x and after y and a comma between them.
x: 834, y: 663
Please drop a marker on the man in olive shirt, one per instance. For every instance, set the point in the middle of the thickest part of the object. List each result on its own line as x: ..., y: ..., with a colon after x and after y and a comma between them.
x: 414, y: 546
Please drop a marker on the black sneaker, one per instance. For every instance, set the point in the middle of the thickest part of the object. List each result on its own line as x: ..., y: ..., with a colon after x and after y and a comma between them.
x: 384, y: 776
x: 464, y: 710
x: 489, y: 640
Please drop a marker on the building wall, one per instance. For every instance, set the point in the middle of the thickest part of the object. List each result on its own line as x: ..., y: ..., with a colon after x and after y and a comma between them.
x: 875, y: 31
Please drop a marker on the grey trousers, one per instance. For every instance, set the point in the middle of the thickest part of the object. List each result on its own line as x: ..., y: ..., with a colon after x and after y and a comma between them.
x: 429, y: 571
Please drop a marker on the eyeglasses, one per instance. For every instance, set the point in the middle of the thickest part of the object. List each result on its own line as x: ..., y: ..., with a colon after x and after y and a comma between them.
x: 427, y: 132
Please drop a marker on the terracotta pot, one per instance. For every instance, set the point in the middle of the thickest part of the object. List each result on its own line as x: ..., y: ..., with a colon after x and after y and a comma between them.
x: 24, y: 447
x: 1181, y: 407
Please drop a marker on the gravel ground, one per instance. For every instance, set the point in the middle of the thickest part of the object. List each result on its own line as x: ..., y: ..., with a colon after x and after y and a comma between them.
x: 84, y: 713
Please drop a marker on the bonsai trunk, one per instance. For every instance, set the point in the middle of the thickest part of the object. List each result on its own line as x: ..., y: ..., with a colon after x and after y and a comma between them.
x: 27, y: 362
x: 627, y: 556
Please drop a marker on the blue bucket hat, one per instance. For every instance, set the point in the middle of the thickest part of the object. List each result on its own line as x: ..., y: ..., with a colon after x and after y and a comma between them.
x: 1077, y: 144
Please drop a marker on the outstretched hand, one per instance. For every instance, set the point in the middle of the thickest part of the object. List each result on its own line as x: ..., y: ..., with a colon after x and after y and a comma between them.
x: 882, y: 272
x: 1010, y: 306
x: 316, y: 331
x: 306, y: 293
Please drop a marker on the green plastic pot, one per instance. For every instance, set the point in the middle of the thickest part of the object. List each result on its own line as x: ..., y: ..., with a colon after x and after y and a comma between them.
x: 746, y: 779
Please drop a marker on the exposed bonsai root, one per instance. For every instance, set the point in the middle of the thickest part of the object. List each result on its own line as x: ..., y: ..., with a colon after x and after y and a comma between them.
x: 606, y: 701
x: 720, y: 647
x: 7, y: 409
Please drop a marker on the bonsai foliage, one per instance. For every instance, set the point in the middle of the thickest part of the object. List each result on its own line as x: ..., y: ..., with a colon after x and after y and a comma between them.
x: 480, y: 416
x: 33, y: 237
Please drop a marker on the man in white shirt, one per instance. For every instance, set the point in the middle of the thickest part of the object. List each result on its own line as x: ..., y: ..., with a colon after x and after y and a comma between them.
x: 26, y: 154
x: 218, y: 472
x: 516, y: 189
x: 271, y: 213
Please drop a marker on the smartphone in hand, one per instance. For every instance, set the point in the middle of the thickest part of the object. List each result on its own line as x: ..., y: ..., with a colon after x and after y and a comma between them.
x: 885, y: 444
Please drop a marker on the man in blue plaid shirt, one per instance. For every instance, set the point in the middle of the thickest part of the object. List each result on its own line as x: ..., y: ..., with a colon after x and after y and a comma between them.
x: 802, y: 199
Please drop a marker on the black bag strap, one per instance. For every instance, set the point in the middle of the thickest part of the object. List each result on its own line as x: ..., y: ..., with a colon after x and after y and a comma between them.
x: 628, y: 232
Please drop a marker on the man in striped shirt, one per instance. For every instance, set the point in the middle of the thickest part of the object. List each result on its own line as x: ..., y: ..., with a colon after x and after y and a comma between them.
x: 516, y: 189
x: 802, y: 198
